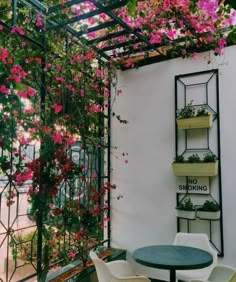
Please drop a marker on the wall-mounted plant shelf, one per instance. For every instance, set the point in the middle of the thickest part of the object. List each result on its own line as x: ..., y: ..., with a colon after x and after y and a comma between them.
x: 195, y: 122
x: 195, y: 169
x: 197, y: 156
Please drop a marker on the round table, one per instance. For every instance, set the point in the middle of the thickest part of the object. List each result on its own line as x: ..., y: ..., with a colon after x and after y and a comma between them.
x: 173, y: 257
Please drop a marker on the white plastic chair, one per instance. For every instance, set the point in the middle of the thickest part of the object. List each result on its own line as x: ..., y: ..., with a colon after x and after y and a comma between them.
x: 197, y: 240
x: 115, y: 271
x: 220, y: 273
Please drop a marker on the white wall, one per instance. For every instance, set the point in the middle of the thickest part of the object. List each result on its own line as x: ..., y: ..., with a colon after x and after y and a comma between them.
x: 146, y: 213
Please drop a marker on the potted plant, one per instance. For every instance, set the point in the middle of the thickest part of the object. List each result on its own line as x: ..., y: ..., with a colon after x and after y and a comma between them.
x: 189, y: 117
x: 209, y: 210
x: 195, y: 166
x: 186, y: 209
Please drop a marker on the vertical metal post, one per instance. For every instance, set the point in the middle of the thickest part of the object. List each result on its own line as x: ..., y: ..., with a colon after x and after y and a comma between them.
x: 219, y: 157
x: 176, y: 133
x: 40, y: 211
x: 100, y: 152
x: 109, y: 169
x: 176, y: 143
x: 14, y: 12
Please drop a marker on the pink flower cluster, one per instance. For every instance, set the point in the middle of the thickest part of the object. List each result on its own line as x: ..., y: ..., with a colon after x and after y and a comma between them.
x: 17, y: 29
x: 164, y: 21
x: 17, y: 73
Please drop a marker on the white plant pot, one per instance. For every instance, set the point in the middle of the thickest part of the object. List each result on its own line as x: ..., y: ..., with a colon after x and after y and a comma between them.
x: 186, y: 214
x: 208, y: 215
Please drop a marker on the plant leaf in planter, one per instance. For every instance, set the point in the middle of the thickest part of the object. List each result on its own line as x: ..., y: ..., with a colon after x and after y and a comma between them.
x: 202, y: 111
x: 186, y: 205
x: 210, y: 206
x: 209, y: 210
x: 186, y: 112
x: 208, y: 158
x: 179, y: 159
x: 186, y: 209
x: 194, y: 159
x: 189, y: 111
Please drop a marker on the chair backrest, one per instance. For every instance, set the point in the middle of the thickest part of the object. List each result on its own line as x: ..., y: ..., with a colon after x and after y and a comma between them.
x: 223, y: 273
x: 198, y: 240
x: 103, y: 273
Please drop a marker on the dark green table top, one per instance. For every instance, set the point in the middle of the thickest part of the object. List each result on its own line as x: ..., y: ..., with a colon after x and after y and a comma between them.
x: 173, y: 257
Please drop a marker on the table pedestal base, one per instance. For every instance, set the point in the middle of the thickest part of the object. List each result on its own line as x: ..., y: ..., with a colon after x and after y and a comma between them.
x: 172, y: 275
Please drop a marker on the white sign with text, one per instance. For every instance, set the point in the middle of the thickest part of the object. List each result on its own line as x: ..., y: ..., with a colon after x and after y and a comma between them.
x: 194, y: 185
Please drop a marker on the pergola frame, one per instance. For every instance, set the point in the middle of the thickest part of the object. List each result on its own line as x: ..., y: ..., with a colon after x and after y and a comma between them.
x: 145, y: 53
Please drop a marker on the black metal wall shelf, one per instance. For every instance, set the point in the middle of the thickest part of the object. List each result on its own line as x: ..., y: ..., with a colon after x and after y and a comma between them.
x: 201, y: 88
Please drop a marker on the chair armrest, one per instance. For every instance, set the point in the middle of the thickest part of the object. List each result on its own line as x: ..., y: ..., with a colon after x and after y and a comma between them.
x: 224, y: 267
x: 120, y: 268
x: 222, y: 272
x: 133, y: 279
x: 197, y: 280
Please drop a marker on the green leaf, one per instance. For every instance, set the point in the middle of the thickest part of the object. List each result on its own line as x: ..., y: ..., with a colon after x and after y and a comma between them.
x: 20, y: 86
x: 232, y: 3
x: 231, y: 39
x: 131, y: 6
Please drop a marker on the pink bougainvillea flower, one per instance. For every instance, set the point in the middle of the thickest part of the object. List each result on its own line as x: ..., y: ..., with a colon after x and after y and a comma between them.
x: 95, y: 108
x: 57, y: 108
x: 39, y: 21
x: 195, y: 55
x: 129, y: 63
x: 51, y: 243
x: 38, y: 60
x: 59, y: 78
x: 98, y: 72
x: 94, y: 175
x: 82, y: 167
x: 58, y: 68
x: 24, y: 141
x: 21, y: 177
x: 30, y: 91
x: 21, y: 94
x: 28, y: 174
x: 70, y: 87
x: 4, y: 90
x: 69, y: 141
x: 36, y: 191
x: 56, y: 137
x: 46, y: 129
x: 3, y: 55
x: 119, y: 91
x: 17, y: 73
x: 9, y: 60
x: 17, y: 29
x: 81, y: 92
x: 72, y: 255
